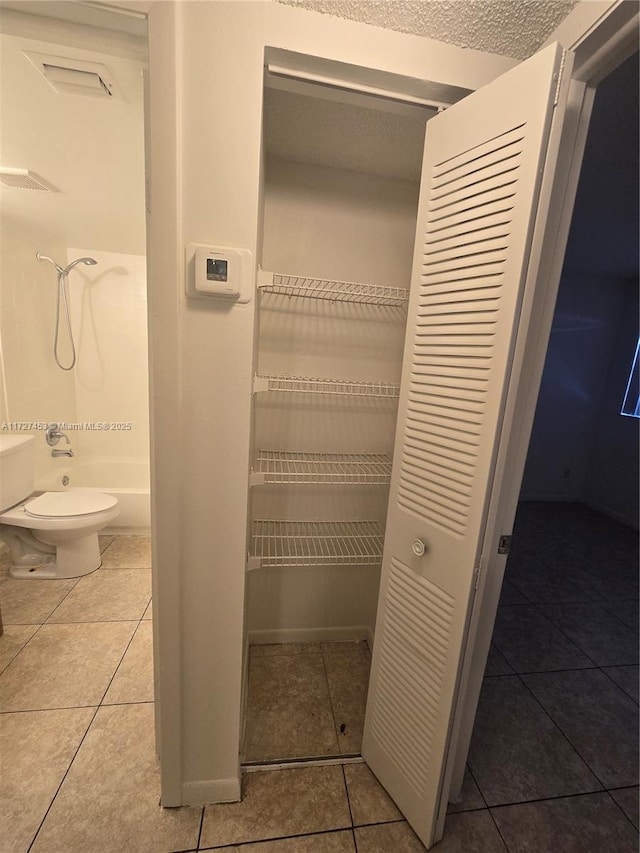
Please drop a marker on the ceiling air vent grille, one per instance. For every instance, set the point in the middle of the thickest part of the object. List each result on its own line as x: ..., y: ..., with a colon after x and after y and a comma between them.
x: 22, y: 179
x: 74, y: 80
x: 67, y: 75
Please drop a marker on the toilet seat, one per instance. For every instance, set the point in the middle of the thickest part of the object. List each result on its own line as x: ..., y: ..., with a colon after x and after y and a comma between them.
x: 67, y: 504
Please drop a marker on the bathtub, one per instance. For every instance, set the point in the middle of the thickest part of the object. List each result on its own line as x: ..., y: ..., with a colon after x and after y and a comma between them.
x: 127, y: 481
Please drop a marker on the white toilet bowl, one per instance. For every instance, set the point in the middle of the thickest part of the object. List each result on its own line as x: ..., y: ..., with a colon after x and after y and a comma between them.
x: 55, y: 534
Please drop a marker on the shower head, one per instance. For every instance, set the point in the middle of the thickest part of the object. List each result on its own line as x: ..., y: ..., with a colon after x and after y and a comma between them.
x: 40, y: 257
x: 88, y: 261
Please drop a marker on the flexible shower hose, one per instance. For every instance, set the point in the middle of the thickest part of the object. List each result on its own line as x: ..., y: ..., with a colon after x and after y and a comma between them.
x: 62, y: 296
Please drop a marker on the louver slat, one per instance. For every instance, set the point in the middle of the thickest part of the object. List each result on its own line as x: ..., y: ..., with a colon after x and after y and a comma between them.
x: 460, y: 296
x: 415, y: 637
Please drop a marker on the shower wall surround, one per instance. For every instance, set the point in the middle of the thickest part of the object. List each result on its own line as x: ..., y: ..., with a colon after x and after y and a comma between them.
x: 109, y: 384
x: 33, y: 386
x: 109, y: 318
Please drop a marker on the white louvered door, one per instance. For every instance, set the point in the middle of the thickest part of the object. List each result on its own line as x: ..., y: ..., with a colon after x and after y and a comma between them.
x: 482, y: 170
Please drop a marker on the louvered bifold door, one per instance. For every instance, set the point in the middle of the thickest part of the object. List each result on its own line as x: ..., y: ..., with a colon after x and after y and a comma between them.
x: 482, y: 170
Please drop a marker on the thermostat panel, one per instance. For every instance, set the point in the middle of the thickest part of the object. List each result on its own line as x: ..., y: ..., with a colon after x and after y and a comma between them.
x: 219, y: 272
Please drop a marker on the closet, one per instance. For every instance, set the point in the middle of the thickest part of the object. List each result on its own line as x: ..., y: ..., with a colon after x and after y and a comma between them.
x: 340, y: 202
x: 481, y: 217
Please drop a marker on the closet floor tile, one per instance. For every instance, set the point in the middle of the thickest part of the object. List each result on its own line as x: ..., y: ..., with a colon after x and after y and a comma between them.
x: 597, y: 717
x: 278, y: 803
x: 288, y: 708
x: 109, y: 799
x: 348, y: 678
x: 517, y: 753
x: 268, y: 649
x: 590, y: 822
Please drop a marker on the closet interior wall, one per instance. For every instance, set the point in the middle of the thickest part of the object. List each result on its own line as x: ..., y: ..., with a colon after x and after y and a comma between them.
x: 327, y: 223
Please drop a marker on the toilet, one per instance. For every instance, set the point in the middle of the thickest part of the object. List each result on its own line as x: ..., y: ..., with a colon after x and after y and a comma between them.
x: 49, y: 534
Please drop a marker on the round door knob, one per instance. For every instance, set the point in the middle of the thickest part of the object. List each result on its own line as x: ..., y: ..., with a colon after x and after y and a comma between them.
x: 418, y: 547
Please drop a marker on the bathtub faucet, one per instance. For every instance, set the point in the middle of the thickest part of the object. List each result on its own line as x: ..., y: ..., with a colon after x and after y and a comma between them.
x: 53, y: 436
x: 67, y: 452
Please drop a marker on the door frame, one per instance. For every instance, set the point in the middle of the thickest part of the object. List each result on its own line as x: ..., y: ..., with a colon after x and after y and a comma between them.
x: 601, y: 40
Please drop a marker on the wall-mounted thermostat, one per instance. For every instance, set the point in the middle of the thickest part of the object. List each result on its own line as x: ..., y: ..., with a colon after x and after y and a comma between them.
x: 219, y: 272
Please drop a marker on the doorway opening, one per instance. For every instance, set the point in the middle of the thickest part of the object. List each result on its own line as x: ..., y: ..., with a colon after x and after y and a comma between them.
x: 340, y: 201
x: 556, y: 727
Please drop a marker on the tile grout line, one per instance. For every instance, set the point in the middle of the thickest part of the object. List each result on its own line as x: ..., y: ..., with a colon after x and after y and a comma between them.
x: 346, y: 790
x: 57, y: 791
x: 613, y: 681
x: 598, y: 792
x: 574, y: 748
x: 333, y: 712
x: 39, y: 626
x: 135, y: 631
x: 200, y: 828
x: 613, y: 799
x: 240, y: 844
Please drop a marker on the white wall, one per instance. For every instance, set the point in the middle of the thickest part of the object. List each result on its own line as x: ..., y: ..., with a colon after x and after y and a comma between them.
x: 205, y: 134
x: 611, y: 482
x: 328, y: 223
x: 583, y: 337
x: 109, y: 316
x: 89, y: 149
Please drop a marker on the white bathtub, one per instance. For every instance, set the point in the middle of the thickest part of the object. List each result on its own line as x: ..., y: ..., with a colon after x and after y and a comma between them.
x: 127, y: 481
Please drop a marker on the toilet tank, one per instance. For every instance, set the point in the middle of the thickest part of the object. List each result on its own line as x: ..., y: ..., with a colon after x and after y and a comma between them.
x: 16, y: 468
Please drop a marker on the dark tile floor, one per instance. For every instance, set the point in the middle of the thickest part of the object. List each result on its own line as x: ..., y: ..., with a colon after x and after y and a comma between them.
x: 555, y: 746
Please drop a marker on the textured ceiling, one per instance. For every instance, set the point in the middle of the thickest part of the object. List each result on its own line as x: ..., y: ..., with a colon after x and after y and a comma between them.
x: 515, y: 28
x: 343, y: 136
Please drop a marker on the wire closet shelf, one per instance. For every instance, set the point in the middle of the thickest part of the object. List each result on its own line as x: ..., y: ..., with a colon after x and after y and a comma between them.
x: 333, y: 291
x: 315, y: 543
x: 284, y: 466
x: 311, y: 385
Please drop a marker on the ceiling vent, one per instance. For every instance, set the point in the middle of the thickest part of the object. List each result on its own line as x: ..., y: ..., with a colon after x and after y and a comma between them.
x: 75, y: 76
x: 23, y: 179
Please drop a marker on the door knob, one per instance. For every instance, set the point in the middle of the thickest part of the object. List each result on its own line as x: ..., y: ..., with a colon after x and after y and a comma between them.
x: 418, y: 547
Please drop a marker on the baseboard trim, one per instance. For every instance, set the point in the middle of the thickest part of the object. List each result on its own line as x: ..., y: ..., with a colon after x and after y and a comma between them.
x: 610, y: 513
x: 596, y: 507
x: 311, y: 635
x: 549, y: 499
x: 202, y: 792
